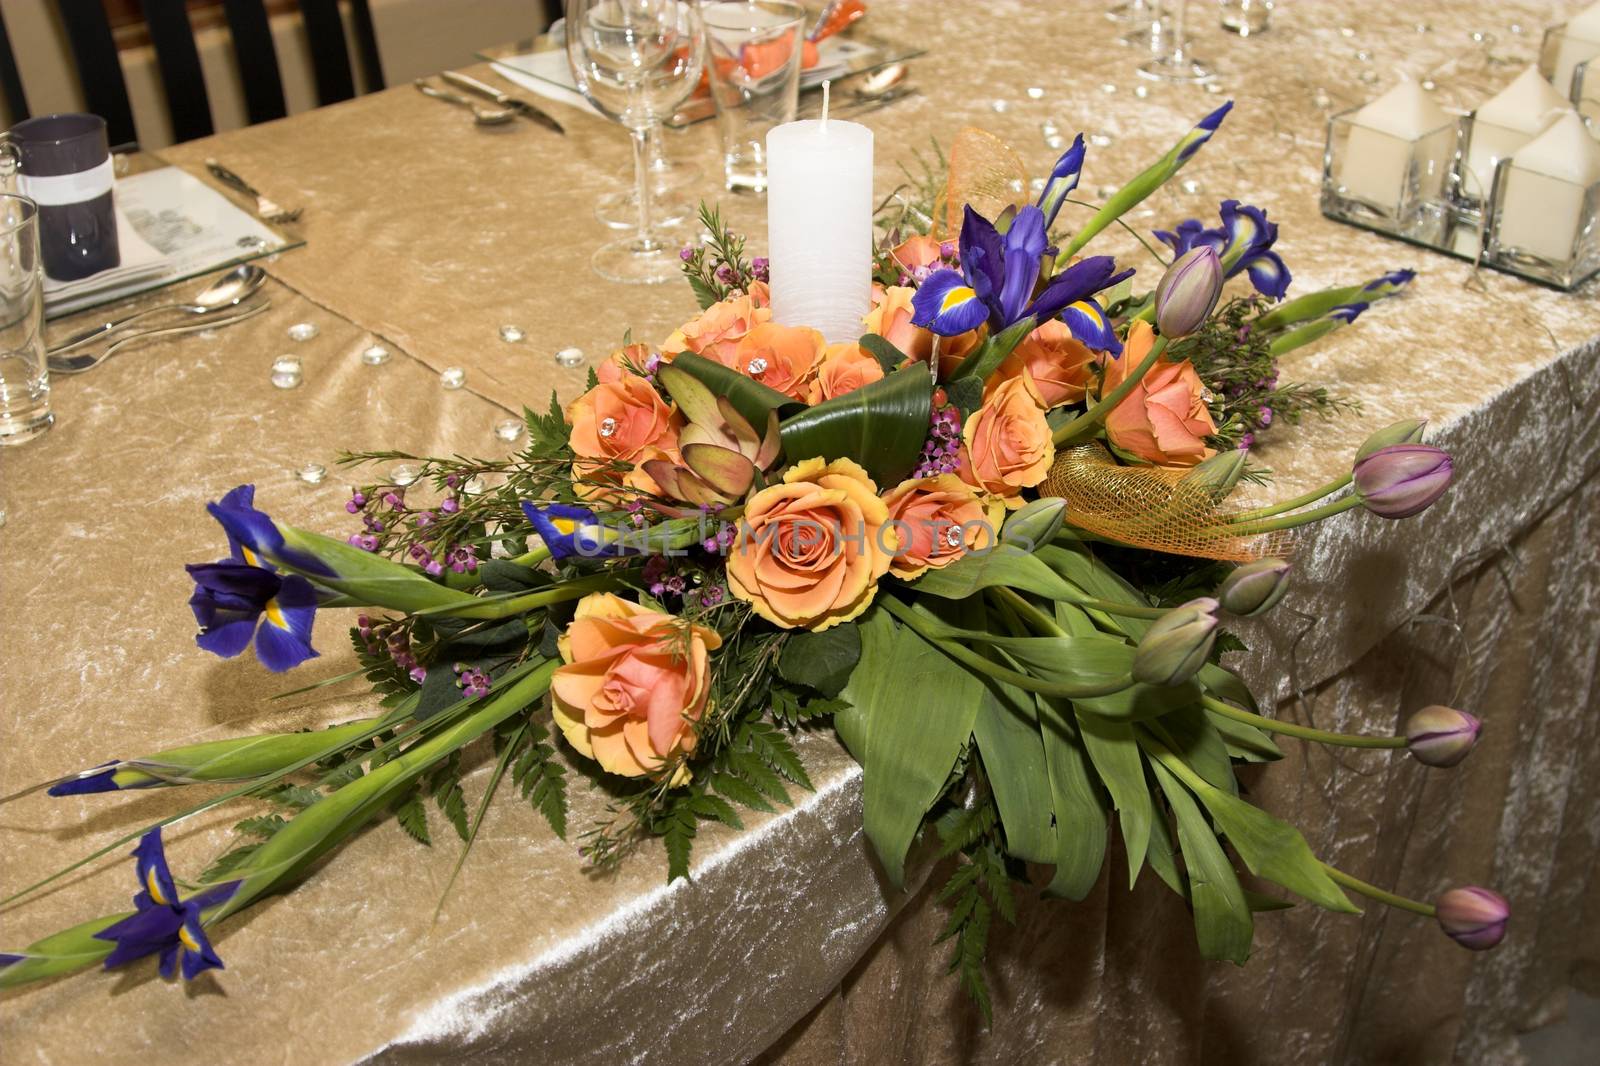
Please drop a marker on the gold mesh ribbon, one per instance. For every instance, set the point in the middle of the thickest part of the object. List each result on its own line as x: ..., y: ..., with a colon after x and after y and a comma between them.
x: 1151, y: 507
x: 984, y: 172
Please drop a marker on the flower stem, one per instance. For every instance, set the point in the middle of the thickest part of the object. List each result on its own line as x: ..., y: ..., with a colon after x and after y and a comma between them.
x: 1290, y: 729
x: 1086, y: 422
x: 1268, y: 525
x: 1355, y: 884
x: 930, y: 630
x: 535, y: 557
x: 1289, y: 505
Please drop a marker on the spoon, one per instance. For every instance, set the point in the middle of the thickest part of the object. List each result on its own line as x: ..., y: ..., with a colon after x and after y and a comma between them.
x: 483, y: 116
x: 229, y: 290
x: 77, y: 364
x: 881, y: 81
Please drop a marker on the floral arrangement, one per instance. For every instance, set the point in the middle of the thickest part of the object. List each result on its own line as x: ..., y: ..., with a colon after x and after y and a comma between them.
x: 1012, y: 491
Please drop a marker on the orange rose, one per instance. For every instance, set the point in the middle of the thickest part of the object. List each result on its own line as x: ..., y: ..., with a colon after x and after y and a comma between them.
x: 1005, y: 445
x: 1056, y: 362
x: 634, y: 683
x: 784, y: 358
x: 1164, y: 420
x: 939, y: 520
x: 809, y: 552
x: 916, y: 253
x: 621, y: 421
x: 720, y: 327
x: 890, y: 318
x: 845, y: 368
x: 629, y: 361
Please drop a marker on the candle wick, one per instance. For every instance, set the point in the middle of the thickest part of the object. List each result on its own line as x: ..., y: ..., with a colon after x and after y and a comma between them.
x: 825, y: 89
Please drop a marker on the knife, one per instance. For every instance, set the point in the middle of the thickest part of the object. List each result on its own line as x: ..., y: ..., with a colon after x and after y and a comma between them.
x: 521, y: 107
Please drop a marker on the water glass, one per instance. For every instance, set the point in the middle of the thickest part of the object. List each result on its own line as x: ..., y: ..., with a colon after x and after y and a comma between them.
x: 754, y: 54
x: 67, y: 171
x: 24, y: 378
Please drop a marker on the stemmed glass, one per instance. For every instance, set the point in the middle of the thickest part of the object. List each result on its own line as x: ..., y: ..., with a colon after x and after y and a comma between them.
x: 670, y: 182
x: 636, y: 61
x: 1172, y: 60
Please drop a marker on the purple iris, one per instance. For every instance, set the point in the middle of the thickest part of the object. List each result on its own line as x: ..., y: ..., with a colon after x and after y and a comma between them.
x: 997, y: 280
x: 161, y: 922
x: 254, y: 538
x: 567, y: 531
x: 1243, y: 242
x: 234, y: 601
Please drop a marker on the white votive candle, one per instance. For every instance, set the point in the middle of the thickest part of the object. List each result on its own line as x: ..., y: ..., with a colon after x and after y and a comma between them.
x: 1580, y: 40
x: 1505, y: 122
x: 1384, y: 137
x: 819, y: 225
x: 1542, y: 205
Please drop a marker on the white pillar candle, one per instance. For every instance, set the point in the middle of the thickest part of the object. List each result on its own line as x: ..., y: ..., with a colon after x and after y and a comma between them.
x: 1505, y: 122
x: 1579, y: 41
x: 1542, y: 209
x: 819, y: 225
x: 1384, y: 137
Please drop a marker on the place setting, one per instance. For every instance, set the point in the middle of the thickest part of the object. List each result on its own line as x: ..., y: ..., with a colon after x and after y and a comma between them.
x: 844, y: 572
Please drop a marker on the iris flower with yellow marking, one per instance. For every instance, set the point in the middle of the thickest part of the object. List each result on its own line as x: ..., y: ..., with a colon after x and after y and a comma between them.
x: 162, y: 923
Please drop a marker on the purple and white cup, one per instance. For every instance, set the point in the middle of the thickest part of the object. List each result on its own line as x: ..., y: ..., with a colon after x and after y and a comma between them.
x: 65, y: 168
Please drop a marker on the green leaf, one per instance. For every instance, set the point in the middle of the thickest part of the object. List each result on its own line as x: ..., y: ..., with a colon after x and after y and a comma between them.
x: 1005, y: 565
x: 749, y: 765
x: 1227, y: 685
x: 911, y: 741
x: 1245, y: 742
x: 774, y: 749
x: 1080, y: 805
x: 1188, y: 732
x: 1222, y: 921
x: 888, y: 356
x: 740, y: 791
x: 881, y: 425
x: 678, y: 837
x: 1163, y: 858
x: 993, y: 351
x: 1274, y: 850
x: 749, y: 397
x: 821, y: 661
x: 372, y: 579
x: 503, y: 575
x: 715, y: 808
x: 1007, y: 731
x: 1114, y: 751
x: 966, y: 394
x: 1260, y: 901
x: 289, y: 795
x: 1091, y: 576
x: 262, y: 826
x: 877, y: 632
x: 224, y: 867
x: 547, y: 433
x: 413, y: 818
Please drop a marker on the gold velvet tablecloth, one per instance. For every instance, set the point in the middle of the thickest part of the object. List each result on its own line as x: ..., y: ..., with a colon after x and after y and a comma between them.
x: 427, y: 234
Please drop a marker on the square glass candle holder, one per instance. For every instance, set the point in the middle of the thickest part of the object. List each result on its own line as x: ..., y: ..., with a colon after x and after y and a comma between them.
x: 1561, y: 55
x: 1386, y: 182
x: 1483, y: 145
x: 1543, y: 227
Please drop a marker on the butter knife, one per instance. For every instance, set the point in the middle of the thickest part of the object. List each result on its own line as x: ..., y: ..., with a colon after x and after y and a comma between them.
x: 521, y: 107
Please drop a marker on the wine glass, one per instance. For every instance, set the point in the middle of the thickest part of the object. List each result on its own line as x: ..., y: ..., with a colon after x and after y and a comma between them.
x: 636, y: 61
x: 670, y: 185
x: 1172, y: 60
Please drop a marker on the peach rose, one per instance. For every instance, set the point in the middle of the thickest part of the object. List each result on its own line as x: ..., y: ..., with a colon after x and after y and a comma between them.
x: 939, y: 520
x: 720, y: 327
x: 634, y: 683
x: 809, y: 551
x: 1164, y: 420
x: 784, y: 358
x: 890, y: 318
x: 917, y: 253
x: 1005, y: 445
x: 845, y: 368
x: 629, y: 361
x: 621, y: 421
x: 1057, y: 363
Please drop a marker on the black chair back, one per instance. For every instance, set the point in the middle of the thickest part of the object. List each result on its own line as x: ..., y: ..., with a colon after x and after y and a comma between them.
x: 106, y: 93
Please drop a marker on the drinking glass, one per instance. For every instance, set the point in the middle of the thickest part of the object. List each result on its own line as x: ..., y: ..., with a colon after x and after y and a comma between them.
x: 67, y: 171
x: 636, y: 61
x: 754, y: 48
x: 1245, y: 17
x: 668, y: 182
x: 24, y: 378
x: 1168, y: 40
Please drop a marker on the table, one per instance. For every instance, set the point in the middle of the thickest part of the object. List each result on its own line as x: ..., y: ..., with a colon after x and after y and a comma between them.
x: 427, y: 234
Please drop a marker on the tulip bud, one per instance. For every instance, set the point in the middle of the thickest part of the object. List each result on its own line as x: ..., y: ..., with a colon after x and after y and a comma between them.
x: 1254, y: 588
x: 1188, y: 291
x: 1177, y: 644
x: 1474, y: 917
x: 1035, y: 524
x: 1407, y: 432
x: 1400, y: 480
x: 1441, y: 736
x: 1218, y: 474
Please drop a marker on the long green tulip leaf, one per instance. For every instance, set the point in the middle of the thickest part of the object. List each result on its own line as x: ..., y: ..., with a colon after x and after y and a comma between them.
x: 883, y: 425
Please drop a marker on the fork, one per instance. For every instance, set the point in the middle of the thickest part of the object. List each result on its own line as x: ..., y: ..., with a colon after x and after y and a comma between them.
x: 267, y: 210
x: 77, y: 364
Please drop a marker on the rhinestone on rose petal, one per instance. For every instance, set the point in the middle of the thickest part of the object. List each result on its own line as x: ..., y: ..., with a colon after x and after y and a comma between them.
x: 303, y: 331
x: 512, y: 334
x: 758, y: 365
x: 1207, y: 395
x: 286, y: 371
x: 375, y: 355
x: 312, y: 473
x: 509, y: 429
x: 608, y: 427
x: 952, y: 536
x: 569, y: 357
x: 452, y: 377
x: 404, y: 474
